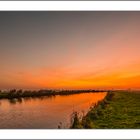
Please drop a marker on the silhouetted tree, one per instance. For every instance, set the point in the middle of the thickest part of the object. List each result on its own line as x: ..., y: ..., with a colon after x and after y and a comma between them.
x: 19, y: 91
x: 13, y: 91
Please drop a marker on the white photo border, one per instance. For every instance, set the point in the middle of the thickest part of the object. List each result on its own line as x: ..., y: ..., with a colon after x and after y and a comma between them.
x: 69, y: 6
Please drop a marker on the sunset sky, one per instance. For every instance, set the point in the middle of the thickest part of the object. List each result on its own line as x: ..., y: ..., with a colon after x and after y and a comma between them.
x: 70, y: 50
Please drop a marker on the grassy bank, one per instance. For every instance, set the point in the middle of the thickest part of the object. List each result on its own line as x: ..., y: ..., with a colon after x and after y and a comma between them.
x: 119, y: 109
x: 27, y: 93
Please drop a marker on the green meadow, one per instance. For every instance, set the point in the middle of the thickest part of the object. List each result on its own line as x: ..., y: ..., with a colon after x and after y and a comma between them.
x: 119, y: 109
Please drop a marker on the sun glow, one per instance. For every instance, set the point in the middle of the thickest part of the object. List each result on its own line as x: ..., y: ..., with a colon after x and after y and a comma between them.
x: 95, y: 50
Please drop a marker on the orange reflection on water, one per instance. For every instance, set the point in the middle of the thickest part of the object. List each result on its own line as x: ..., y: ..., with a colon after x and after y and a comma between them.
x: 45, y: 112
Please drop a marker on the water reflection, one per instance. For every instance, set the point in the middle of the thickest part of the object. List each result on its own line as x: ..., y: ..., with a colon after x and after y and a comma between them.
x: 45, y: 111
x: 12, y: 101
x: 25, y: 99
x: 15, y: 100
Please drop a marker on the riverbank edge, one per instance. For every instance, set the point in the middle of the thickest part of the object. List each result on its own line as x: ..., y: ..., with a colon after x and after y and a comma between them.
x: 85, y: 122
x: 19, y: 94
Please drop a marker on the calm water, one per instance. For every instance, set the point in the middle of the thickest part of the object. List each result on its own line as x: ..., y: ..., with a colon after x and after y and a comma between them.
x: 45, y: 112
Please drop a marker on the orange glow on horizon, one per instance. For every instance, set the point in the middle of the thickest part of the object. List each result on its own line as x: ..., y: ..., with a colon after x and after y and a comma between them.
x: 99, y: 50
x: 125, y: 78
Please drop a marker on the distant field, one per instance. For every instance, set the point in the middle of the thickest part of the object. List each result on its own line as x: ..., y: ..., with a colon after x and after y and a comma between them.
x: 120, y: 109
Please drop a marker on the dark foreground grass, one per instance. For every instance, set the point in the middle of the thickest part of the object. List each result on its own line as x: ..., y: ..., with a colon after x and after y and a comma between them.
x: 119, y: 109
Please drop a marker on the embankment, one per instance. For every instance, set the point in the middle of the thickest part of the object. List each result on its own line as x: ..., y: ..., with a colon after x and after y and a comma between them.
x: 119, y: 109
